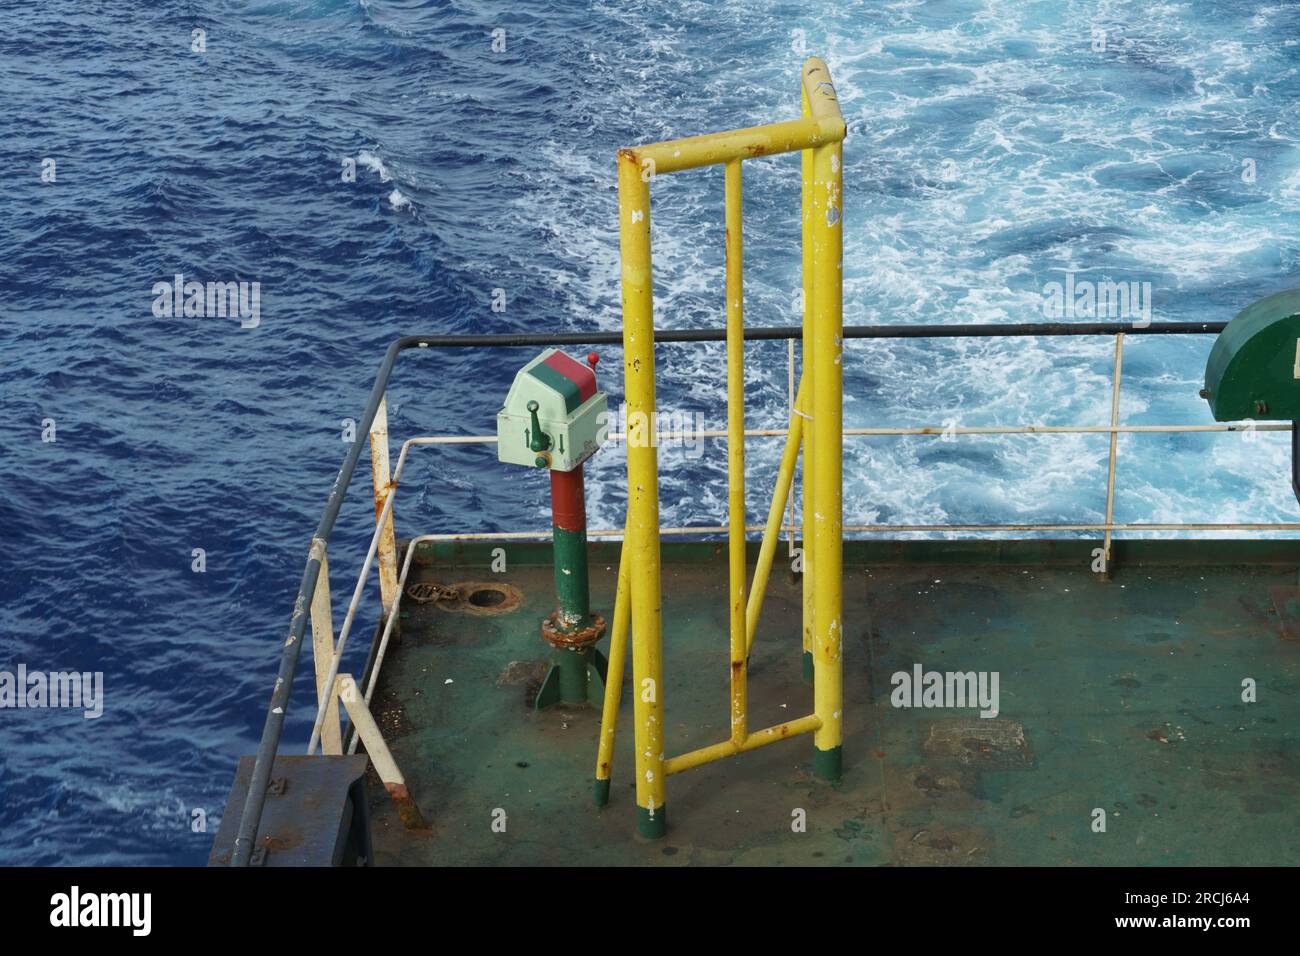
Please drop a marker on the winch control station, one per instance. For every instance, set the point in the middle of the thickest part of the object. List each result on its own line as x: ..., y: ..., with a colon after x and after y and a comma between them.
x: 555, y: 419
x: 553, y: 416
x: 1253, y: 373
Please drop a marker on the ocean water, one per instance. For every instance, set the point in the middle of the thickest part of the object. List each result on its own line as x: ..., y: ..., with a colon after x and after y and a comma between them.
x: 994, y: 146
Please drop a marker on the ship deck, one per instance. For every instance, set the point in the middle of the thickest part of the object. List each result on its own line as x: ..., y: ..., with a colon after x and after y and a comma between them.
x: 1123, y: 695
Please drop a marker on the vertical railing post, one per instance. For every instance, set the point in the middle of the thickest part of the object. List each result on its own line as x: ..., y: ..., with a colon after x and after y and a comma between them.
x: 322, y: 648
x: 789, y: 359
x: 807, y: 371
x: 1114, y: 447
x: 735, y: 246
x: 642, y: 539
x: 827, y: 437
x: 387, y: 552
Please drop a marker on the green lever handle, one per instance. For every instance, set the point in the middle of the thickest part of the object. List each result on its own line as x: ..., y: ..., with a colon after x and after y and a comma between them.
x: 540, y: 441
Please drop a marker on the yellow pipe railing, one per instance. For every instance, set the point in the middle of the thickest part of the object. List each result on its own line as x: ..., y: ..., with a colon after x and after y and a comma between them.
x: 642, y: 541
x: 729, y: 748
x: 827, y: 215
x: 735, y: 245
x: 715, y: 149
x: 809, y: 284
x: 815, y: 426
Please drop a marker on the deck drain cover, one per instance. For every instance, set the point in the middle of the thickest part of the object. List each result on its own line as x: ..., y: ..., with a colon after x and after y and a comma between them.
x: 487, y: 597
x: 423, y: 592
x: 483, y: 597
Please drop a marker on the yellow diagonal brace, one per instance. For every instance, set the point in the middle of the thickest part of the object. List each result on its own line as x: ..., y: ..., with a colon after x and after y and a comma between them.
x: 772, y: 531
x: 613, y: 679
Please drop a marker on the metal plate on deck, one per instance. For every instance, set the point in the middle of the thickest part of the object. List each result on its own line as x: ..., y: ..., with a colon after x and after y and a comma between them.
x: 315, y: 813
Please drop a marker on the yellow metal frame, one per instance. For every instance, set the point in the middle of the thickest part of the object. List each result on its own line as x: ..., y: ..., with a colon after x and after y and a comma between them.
x: 815, y: 427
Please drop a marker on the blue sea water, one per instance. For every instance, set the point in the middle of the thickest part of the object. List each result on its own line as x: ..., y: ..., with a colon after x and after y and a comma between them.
x: 992, y: 149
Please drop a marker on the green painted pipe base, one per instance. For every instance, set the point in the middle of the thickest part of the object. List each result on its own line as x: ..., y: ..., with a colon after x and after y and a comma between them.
x: 808, y: 667
x: 574, y: 679
x: 652, y: 827
x: 601, y: 792
x: 828, y: 764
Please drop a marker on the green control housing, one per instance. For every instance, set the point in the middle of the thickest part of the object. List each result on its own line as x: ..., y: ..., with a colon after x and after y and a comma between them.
x: 1254, y: 368
x: 573, y: 416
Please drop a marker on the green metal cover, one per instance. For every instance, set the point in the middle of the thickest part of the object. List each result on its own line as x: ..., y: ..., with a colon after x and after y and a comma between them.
x: 1252, y: 369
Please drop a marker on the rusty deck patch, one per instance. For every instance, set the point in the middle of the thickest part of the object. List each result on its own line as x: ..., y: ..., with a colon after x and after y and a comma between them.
x: 991, y: 744
x: 957, y: 846
x: 1286, y: 605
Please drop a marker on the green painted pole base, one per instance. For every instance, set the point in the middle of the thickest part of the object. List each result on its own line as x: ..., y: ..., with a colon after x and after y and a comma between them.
x: 651, y: 827
x: 807, y: 667
x: 574, y: 679
x: 601, y: 663
x: 601, y: 792
x: 828, y: 765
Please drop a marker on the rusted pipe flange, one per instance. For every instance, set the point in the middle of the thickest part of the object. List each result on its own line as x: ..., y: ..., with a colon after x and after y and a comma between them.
x: 557, y: 635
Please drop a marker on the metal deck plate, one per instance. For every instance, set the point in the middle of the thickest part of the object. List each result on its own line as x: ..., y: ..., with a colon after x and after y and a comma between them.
x: 1123, y: 696
x: 308, y: 819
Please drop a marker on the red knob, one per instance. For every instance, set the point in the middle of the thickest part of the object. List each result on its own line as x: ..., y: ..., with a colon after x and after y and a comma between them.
x: 592, y: 359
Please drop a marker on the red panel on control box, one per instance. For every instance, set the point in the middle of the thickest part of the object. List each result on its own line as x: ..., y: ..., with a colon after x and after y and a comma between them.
x: 575, y: 372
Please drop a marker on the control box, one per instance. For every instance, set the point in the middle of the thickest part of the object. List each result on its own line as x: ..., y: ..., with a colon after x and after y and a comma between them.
x: 553, y: 416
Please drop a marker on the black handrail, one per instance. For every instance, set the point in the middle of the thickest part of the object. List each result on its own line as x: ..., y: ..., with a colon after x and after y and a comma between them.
x: 251, y: 817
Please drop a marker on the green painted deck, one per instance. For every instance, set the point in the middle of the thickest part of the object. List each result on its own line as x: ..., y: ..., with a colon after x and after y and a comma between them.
x: 1124, y: 695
